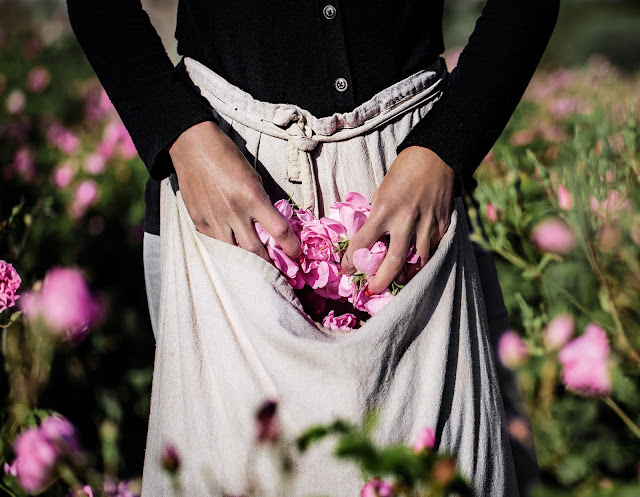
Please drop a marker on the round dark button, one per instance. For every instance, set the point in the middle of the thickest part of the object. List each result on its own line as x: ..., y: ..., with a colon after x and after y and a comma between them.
x: 341, y: 84
x: 329, y: 11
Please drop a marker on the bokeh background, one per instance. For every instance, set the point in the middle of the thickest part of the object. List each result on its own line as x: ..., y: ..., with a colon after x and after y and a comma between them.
x: 71, y: 194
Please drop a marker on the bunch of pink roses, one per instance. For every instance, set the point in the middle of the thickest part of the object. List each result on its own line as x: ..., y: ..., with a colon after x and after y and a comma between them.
x: 324, y: 242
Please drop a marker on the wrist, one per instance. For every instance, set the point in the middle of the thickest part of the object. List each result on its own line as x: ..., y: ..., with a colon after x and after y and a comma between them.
x: 192, y: 137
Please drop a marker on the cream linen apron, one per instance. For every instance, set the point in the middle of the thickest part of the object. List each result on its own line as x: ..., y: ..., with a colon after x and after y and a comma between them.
x: 232, y: 334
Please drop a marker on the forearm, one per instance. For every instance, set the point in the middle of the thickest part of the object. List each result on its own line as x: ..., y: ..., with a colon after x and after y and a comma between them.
x: 156, y: 101
x: 484, y: 89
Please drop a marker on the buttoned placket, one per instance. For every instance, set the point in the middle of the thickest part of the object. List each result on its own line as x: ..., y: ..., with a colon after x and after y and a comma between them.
x: 338, y: 72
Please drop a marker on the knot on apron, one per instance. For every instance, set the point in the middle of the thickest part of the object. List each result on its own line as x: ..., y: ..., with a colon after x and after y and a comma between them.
x: 299, y: 163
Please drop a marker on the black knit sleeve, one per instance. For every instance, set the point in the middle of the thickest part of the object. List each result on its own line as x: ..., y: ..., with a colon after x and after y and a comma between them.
x: 155, y: 100
x: 485, y: 87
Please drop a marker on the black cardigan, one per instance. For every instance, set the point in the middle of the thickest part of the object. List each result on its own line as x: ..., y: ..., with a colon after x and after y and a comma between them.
x: 289, y: 51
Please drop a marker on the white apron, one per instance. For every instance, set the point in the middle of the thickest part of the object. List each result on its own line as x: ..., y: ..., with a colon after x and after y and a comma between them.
x: 232, y: 334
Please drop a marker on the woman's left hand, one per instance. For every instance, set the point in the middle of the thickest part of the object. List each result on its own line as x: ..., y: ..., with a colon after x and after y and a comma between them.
x: 413, y: 202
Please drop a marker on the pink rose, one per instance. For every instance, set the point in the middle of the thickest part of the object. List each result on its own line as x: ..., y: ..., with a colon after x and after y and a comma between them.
x: 584, y: 360
x: 331, y: 290
x: 35, y: 460
x: 426, y: 440
x: 614, y: 204
x: 368, y: 261
x: 376, y: 488
x: 553, y: 235
x: 81, y: 492
x: 319, y: 239
x: 114, y: 489
x: 62, y: 175
x: 65, y: 304
x: 94, y: 163
x: 116, y: 140
x: 85, y: 195
x: 565, y: 199
x: 10, y: 469
x: 376, y: 302
x: 512, y: 351
x: 345, y: 322
x: 61, y: 434
x: 559, y: 331
x: 316, y: 273
x: 38, y: 79
x: 351, y: 215
x: 59, y: 136
x: 9, y: 283
x: 492, y: 212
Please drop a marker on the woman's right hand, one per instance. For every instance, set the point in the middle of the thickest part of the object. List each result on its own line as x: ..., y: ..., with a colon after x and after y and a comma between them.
x: 223, y: 193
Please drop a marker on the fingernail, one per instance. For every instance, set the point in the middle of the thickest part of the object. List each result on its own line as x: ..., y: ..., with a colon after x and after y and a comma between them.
x: 368, y: 292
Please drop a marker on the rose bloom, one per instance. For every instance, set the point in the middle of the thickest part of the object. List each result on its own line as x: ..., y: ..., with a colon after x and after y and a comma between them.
x: 426, y: 440
x: 553, y: 235
x: 9, y: 283
x: 376, y: 488
x: 65, y: 304
x: 38, y: 449
x: 565, y: 199
x: 512, y: 351
x: 492, y: 212
x: 584, y: 360
x: 38, y: 79
x: 559, y: 331
x: 62, y: 175
x: 345, y: 322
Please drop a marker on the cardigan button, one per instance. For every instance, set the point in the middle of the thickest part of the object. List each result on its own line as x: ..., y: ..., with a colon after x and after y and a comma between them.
x: 329, y: 11
x: 341, y: 84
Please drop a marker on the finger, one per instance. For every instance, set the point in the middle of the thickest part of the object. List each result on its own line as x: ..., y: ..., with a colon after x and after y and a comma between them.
x: 366, y: 236
x: 278, y: 227
x: 392, y: 263
x: 248, y: 239
x: 423, y: 241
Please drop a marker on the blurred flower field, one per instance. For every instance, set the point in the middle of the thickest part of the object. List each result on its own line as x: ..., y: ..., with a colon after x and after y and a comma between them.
x: 560, y: 204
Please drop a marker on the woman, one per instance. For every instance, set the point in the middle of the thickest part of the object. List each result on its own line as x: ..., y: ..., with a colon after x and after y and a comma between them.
x: 325, y: 59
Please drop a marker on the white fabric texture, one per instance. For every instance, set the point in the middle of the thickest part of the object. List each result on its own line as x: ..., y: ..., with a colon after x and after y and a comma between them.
x: 232, y: 334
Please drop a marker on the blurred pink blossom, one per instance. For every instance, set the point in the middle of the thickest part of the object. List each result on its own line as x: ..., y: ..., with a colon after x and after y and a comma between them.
x: 23, y: 164
x: 85, y: 195
x: 38, y: 79
x: 116, y: 140
x: 376, y: 488
x: 62, y: 175
x: 512, y: 351
x: 39, y: 448
x: 81, y: 492
x: 584, y: 360
x: 9, y: 283
x: 267, y: 426
x: 97, y: 104
x: 565, y: 199
x: 345, y: 322
x: 10, y: 469
x: 559, y: 331
x: 564, y: 106
x: 35, y: 460
x: 426, y: 440
x: 94, y: 163
x: 492, y: 212
x: 553, y: 235
x: 118, y: 489
x: 16, y: 101
x: 60, y: 136
x: 65, y: 304
x: 611, y: 206
x: 170, y: 458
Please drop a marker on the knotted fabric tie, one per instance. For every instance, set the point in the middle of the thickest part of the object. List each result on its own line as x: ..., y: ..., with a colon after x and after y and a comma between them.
x: 298, y: 157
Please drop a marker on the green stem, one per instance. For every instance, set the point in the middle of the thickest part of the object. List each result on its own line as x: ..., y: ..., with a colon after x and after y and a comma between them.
x: 627, y: 420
